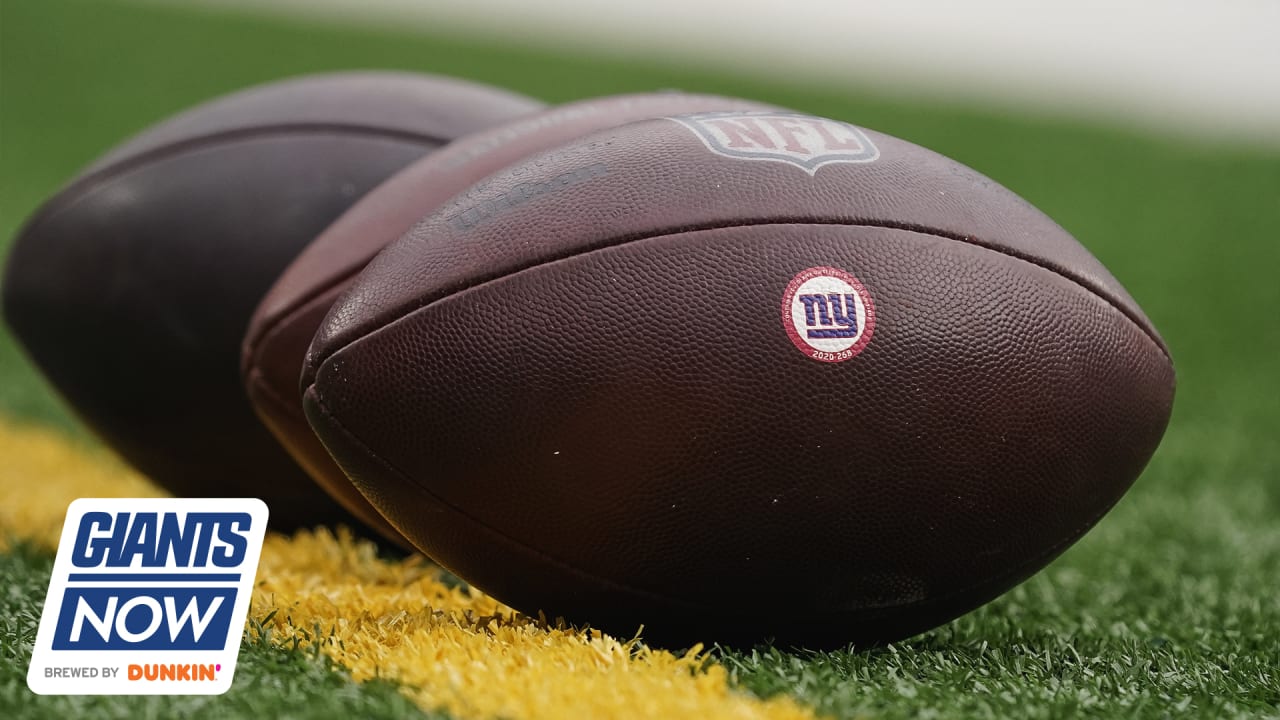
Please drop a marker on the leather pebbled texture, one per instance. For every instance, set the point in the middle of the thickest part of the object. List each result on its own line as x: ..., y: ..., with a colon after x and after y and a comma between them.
x: 131, y: 288
x: 585, y: 403
x: 288, y: 317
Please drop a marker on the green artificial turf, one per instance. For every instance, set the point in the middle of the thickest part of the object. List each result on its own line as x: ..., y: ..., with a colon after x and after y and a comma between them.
x: 271, y: 681
x: 1170, y: 607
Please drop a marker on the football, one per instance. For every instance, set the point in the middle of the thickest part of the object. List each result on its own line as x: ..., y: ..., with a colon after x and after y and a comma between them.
x: 131, y: 288
x: 737, y: 376
x: 285, y: 322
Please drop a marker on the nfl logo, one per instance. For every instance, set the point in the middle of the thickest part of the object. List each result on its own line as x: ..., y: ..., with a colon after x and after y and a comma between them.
x: 805, y: 141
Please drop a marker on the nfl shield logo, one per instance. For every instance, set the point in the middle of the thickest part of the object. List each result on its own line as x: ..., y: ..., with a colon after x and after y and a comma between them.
x: 805, y: 141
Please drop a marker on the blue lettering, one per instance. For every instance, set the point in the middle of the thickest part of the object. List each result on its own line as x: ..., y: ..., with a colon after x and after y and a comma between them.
x: 845, y: 315
x: 176, y: 539
x: 234, y: 544
x: 141, y: 541
x: 812, y: 302
x: 153, y: 618
x: 148, y: 540
x: 90, y: 551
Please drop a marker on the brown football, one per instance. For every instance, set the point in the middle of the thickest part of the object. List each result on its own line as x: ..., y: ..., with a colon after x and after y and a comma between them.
x: 288, y: 317
x: 131, y: 288
x: 737, y: 376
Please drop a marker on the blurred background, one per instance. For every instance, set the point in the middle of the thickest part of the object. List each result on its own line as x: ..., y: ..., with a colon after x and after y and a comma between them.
x: 1183, y: 66
x: 1149, y: 129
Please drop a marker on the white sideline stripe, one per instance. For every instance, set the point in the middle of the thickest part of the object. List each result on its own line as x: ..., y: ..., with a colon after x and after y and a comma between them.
x: 1186, y: 67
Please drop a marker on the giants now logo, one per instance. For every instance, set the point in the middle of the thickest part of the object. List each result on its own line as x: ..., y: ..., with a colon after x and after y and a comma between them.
x: 136, y: 580
x: 828, y: 314
x: 805, y: 141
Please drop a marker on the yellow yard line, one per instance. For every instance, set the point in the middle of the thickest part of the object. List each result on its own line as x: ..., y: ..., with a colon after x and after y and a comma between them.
x: 42, y: 471
x: 460, y: 650
x: 451, y: 648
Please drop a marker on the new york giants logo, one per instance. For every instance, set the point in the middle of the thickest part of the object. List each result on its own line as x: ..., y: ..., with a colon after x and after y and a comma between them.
x: 828, y: 314
x: 805, y: 141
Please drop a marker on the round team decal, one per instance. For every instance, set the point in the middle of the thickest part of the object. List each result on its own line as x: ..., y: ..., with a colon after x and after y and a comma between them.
x: 828, y: 314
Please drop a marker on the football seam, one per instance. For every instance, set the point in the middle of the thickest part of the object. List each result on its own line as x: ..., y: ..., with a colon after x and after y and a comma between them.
x: 256, y: 380
x: 505, y: 539
x: 313, y: 368
x: 292, y: 309
x: 77, y: 187
x: 1018, y: 573
x: 255, y: 343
